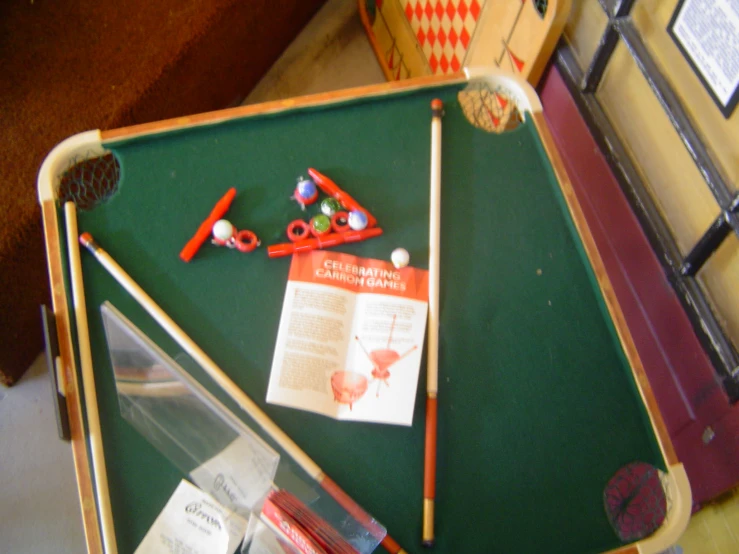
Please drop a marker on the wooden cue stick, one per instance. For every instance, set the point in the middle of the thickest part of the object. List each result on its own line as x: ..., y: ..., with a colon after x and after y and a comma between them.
x: 230, y: 388
x: 432, y: 356
x: 100, y: 476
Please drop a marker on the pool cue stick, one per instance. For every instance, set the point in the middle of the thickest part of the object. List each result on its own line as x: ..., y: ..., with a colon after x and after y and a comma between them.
x: 230, y: 388
x: 100, y: 476
x: 432, y: 355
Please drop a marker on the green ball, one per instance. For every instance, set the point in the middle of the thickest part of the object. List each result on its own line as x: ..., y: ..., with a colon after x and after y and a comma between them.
x: 329, y: 206
x: 321, y: 223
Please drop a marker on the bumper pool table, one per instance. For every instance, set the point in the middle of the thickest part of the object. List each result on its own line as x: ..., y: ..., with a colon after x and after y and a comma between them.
x: 542, y: 394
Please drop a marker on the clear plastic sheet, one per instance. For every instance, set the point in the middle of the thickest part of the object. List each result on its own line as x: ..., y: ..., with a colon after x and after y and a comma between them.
x: 232, y: 459
x: 185, y: 422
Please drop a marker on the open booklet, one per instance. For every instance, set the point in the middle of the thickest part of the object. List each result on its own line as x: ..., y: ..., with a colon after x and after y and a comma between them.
x: 351, y: 337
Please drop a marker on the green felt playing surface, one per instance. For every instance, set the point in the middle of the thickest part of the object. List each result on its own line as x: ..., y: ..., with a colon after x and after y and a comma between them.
x: 537, y: 405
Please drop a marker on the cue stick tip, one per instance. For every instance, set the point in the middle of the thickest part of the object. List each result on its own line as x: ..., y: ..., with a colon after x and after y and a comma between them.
x: 428, y: 543
x: 437, y: 108
x: 88, y: 242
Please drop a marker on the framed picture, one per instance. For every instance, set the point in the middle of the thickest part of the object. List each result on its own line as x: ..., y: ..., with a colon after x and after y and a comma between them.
x: 707, y: 34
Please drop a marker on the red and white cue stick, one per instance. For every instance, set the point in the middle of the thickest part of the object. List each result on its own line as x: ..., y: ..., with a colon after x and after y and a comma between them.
x: 432, y: 356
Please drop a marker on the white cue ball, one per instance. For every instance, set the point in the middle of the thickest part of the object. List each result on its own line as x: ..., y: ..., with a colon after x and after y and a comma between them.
x: 400, y: 257
x: 223, y: 230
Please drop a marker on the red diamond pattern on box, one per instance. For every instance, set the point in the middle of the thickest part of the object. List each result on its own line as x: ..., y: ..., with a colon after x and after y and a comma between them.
x: 421, y: 36
x: 462, y: 9
x: 433, y: 62
x: 444, y: 29
x: 412, y: 38
x: 465, y: 38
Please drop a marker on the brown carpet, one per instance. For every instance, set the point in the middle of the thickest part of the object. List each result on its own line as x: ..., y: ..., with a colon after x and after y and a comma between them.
x: 69, y: 66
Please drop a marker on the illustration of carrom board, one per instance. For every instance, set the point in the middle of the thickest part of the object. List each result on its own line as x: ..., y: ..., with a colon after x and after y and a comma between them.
x: 412, y: 38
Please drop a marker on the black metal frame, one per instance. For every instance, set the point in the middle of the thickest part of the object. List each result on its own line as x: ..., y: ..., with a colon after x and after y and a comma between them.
x: 681, y: 271
x: 710, y: 241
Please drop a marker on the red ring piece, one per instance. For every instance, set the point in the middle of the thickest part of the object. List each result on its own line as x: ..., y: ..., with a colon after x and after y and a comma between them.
x: 340, y: 227
x: 299, y: 235
x: 245, y: 241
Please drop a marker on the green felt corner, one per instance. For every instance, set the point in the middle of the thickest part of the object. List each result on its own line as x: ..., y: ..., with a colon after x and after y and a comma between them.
x: 537, y: 405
